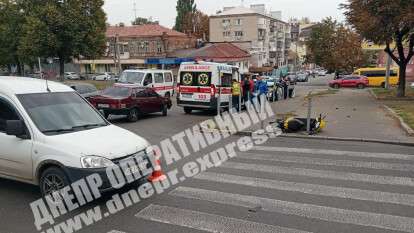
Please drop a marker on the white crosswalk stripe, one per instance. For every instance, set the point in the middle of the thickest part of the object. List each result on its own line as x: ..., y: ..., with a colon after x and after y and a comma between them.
x: 248, y: 163
x: 305, y: 210
x: 207, y: 222
x: 336, y: 152
x: 331, y: 162
x: 322, y: 190
x: 349, y: 176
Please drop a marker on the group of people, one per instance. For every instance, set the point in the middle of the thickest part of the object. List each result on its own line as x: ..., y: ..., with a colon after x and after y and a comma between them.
x: 248, y: 89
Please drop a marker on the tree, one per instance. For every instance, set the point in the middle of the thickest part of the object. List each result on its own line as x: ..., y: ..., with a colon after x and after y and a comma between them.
x: 63, y: 29
x: 184, y: 8
x: 335, y: 47
x: 389, y: 23
x: 197, y: 24
x: 11, y: 21
x: 142, y: 21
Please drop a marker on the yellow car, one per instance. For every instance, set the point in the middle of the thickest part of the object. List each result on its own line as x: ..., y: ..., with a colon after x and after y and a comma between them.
x: 376, y: 76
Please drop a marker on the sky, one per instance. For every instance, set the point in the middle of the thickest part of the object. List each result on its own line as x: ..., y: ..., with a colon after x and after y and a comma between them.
x: 164, y: 10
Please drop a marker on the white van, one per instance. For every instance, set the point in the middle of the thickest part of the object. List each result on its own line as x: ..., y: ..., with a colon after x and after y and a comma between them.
x: 161, y: 80
x: 201, y: 83
x: 51, y: 136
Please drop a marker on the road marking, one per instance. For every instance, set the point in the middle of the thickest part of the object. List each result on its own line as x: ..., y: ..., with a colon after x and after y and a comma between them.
x: 330, y: 162
x: 315, y: 189
x: 336, y: 152
x: 330, y: 214
x: 348, y: 176
x: 115, y: 231
x: 207, y: 222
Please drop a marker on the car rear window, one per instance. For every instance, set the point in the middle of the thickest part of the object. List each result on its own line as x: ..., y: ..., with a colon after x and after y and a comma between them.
x: 195, y: 79
x: 116, y: 92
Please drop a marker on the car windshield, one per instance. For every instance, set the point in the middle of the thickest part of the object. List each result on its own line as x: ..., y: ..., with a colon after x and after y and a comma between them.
x: 132, y: 77
x: 116, y: 92
x: 59, y: 113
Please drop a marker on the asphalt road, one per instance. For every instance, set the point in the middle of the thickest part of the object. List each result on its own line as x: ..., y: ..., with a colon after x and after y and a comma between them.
x: 285, y: 185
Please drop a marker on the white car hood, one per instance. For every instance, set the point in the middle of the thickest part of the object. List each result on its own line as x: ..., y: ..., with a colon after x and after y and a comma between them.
x: 110, y: 142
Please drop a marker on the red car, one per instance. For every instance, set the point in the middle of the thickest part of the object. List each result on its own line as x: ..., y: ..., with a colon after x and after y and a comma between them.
x: 130, y: 100
x: 359, y: 82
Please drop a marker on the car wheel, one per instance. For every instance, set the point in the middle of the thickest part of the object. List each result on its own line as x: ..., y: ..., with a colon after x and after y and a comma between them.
x: 52, y: 179
x: 292, y: 93
x: 165, y: 110
x: 336, y: 86
x: 133, y: 115
x: 360, y: 86
x: 187, y: 110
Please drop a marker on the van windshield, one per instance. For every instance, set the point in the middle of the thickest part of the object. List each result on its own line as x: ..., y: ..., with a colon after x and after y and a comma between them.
x: 132, y: 77
x: 59, y: 113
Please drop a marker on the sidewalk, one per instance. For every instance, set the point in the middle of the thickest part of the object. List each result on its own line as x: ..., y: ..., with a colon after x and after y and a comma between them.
x: 350, y: 113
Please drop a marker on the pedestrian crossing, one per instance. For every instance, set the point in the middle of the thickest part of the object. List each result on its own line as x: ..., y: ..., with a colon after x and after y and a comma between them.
x: 338, y: 191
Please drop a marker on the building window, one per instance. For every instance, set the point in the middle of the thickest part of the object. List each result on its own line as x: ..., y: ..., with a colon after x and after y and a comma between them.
x: 238, y: 33
x: 226, y: 34
x: 226, y: 22
x: 159, y: 47
x: 238, y: 22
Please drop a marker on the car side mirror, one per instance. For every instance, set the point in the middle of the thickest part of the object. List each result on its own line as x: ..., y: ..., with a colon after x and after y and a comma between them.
x: 16, y: 128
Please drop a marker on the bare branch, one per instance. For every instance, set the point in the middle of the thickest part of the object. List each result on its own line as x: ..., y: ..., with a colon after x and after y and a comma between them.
x: 391, y: 53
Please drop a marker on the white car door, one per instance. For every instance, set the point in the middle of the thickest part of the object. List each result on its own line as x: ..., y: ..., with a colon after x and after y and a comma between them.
x: 15, y: 153
x: 159, y: 85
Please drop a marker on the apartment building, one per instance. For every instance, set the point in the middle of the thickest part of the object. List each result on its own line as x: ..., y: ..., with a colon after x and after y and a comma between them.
x: 263, y: 34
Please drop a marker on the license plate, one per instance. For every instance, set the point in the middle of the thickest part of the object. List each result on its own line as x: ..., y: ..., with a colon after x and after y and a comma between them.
x: 185, y: 95
x: 103, y: 105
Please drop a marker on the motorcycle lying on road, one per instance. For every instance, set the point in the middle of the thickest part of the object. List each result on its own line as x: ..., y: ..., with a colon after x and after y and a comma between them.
x: 294, y: 125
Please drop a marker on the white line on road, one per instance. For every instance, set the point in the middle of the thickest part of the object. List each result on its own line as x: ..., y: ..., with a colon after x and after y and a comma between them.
x: 315, y: 189
x: 330, y: 214
x: 207, y: 222
x: 115, y: 231
x: 336, y: 152
x: 330, y: 162
x: 348, y: 176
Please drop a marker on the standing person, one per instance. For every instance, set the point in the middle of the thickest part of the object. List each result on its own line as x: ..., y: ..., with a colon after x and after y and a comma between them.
x: 261, y: 88
x: 246, y: 88
x: 236, y: 91
x: 286, y: 83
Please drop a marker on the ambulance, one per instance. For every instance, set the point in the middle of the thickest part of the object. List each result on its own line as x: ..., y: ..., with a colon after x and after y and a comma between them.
x: 201, y: 85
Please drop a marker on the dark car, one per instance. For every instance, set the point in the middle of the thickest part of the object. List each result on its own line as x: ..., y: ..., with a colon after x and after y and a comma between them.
x: 86, y: 90
x: 357, y: 81
x: 130, y: 100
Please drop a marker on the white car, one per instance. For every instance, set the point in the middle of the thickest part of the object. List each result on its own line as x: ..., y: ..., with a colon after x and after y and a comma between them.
x: 51, y: 136
x: 102, y: 77
x: 72, y: 76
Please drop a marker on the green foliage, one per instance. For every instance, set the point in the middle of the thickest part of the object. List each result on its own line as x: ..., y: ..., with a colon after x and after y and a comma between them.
x: 142, y: 21
x: 335, y: 47
x: 184, y: 8
x: 49, y: 28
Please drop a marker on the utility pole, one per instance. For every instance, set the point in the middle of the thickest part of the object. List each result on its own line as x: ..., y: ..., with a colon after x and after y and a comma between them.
x: 135, y: 9
x: 388, y: 72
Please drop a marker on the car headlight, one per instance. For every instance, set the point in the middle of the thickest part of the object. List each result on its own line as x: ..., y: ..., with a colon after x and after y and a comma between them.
x: 95, y: 162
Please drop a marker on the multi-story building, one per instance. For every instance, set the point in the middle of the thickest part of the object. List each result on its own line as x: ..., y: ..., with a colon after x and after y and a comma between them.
x: 264, y: 35
x: 136, y: 44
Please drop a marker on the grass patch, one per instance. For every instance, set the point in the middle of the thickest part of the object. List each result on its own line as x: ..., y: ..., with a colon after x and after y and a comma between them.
x: 405, y: 109
x: 392, y: 93
x: 321, y: 93
x: 100, y: 85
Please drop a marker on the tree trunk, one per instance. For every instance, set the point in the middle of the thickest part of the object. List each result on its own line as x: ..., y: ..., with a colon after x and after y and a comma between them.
x: 401, y: 83
x: 61, y: 69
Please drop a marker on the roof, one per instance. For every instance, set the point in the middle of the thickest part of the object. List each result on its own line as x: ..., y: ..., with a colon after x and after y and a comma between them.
x: 21, y: 85
x: 217, y: 52
x: 147, y: 30
x: 241, y: 10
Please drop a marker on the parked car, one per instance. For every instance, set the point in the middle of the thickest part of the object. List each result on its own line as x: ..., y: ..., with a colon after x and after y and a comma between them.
x: 130, y: 100
x: 293, y: 78
x: 302, y: 77
x: 160, y: 80
x: 51, y: 137
x: 357, y: 81
x: 86, y: 90
x: 322, y: 72
x: 71, y: 76
x: 102, y: 77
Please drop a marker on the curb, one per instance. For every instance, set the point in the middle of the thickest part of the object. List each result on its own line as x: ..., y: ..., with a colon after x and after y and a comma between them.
x: 313, y: 137
x: 373, y: 94
x: 404, y: 126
